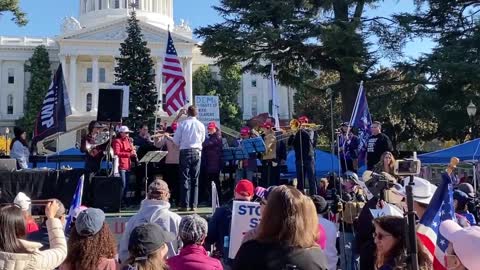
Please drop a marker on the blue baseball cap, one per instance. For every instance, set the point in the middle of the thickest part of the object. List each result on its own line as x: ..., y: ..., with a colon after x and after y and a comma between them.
x: 89, y: 221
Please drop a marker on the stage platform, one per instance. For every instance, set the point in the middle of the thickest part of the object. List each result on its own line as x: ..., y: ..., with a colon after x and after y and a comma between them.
x: 203, y: 211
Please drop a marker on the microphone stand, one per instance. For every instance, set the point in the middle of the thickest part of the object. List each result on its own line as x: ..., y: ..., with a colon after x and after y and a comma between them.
x: 410, y: 228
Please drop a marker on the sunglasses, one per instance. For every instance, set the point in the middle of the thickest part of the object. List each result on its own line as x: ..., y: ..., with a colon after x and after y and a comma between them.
x: 381, y: 236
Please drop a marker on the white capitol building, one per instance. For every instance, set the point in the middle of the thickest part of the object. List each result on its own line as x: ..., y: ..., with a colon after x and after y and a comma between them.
x: 87, y: 47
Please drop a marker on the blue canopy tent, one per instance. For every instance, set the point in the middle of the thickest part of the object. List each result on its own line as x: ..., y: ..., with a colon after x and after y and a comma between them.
x: 466, y: 152
x: 324, y: 163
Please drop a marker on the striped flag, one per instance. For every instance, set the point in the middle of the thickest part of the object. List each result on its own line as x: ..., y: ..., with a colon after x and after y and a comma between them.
x: 361, y: 119
x: 174, y: 79
x: 76, y: 202
x: 440, y: 209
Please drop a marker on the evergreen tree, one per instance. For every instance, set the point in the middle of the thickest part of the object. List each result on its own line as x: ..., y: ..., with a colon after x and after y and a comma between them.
x: 41, y: 75
x: 135, y: 69
x: 302, y: 37
x: 19, y: 17
x: 226, y: 87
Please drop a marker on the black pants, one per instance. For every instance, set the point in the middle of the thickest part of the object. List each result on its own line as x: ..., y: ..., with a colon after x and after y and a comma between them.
x: 189, y: 173
x: 307, y: 176
x: 270, y: 174
x: 206, y: 187
x: 347, y: 165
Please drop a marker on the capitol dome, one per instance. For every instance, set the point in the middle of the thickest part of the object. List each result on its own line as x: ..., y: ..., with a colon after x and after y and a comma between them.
x: 155, y: 12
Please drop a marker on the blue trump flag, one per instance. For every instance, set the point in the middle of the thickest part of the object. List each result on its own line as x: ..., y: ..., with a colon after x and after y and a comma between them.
x: 55, y: 108
x: 361, y: 119
x: 76, y: 202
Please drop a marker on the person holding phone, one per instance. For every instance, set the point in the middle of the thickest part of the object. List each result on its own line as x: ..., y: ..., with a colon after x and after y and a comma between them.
x: 17, y: 253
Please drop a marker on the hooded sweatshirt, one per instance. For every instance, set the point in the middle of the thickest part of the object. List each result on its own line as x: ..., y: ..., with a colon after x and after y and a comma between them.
x: 152, y: 211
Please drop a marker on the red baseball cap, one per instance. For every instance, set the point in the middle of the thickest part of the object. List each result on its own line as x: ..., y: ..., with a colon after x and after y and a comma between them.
x: 244, y: 187
x: 267, y: 125
x: 245, y: 131
x: 211, y: 125
x: 303, y: 119
x: 174, y: 126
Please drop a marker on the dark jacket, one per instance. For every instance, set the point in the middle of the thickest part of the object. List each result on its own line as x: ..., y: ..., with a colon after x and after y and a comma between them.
x: 351, y: 147
x: 365, y: 230
x: 193, y: 257
x: 219, y: 227
x: 254, y: 255
x: 212, y: 153
x: 376, y: 146
x: 94, y: 158
x: 304, y: 142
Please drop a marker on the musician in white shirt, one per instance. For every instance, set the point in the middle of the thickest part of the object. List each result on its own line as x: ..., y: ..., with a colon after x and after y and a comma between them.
x: 189, y: 136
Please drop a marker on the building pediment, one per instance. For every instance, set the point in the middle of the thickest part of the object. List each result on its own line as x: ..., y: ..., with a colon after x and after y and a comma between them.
x: 116, y: 31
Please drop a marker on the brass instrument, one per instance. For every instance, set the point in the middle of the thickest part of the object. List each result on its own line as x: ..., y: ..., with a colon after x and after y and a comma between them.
x: 294, y: 126
x: 101, y: 138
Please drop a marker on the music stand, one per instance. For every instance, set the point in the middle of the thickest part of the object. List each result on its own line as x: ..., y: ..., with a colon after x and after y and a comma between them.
x: 152, y: 156
x: 233, y: 154
x: 254, y: 145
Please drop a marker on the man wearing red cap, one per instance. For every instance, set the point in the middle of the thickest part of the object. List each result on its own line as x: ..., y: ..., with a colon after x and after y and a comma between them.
x: 270, y: 155
x: 211, y: 162
x: 304, y: 143
x: 219, y: 224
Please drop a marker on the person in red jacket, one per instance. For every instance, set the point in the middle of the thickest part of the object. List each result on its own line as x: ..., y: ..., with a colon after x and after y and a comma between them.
x: 123, y: 148
x: 193, y: 256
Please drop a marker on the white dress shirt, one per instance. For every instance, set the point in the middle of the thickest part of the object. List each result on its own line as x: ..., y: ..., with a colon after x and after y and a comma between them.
x: 190, y: 134
x: 331, y: 248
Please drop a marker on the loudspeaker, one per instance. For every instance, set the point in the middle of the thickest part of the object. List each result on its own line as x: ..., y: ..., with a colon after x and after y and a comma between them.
x: 107, y: 193
x: 110, y: 105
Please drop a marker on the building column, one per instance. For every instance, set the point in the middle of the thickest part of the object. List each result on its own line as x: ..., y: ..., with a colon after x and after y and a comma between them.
x: 95, y: 4
x: 73, y: 82
x: 158, y: 79
x: 94, y: 83
x: 107, y: 4
x: 188, y: 78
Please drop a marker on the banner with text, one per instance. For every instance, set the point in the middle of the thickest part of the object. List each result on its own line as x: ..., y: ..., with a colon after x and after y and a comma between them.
x: 245, y: 216
x: 208, y: 109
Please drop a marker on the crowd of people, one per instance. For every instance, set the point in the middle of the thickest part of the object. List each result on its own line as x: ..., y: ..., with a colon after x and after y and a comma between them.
x: 295, y: 232
x: 304, y: 224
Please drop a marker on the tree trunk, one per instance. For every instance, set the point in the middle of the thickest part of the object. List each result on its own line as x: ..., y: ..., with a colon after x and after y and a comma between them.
x: 348, y: 89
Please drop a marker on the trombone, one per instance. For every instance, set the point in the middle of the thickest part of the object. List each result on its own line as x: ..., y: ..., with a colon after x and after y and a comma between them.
x: 294, y: 126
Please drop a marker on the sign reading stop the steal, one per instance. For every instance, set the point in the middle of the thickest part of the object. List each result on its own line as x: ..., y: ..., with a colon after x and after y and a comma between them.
x: 245, y: 216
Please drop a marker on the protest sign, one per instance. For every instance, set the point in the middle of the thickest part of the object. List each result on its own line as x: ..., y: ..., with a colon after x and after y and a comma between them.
x: 208, y: 109
x: 245, y: 216
x: 117, y: 226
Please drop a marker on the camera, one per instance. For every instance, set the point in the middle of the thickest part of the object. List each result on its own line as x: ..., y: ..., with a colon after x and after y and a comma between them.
x: 407, y: 167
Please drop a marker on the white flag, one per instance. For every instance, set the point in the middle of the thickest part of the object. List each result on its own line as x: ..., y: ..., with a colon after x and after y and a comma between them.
x: 215, y: 200
x: 275, y: 101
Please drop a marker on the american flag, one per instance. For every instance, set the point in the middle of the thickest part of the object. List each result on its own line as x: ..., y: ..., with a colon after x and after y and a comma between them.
x: 175, y: 81
x: 440, y: 209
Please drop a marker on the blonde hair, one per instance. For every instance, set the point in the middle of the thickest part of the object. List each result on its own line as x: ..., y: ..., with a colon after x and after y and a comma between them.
x: 154, y: 261
x: 289, y: 218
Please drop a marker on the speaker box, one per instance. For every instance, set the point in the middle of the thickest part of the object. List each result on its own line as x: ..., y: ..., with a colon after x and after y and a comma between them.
x: 107, y: 193
x: 110, y: 105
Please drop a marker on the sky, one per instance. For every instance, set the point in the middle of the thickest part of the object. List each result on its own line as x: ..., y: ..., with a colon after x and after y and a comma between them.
x: 45, y: 17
